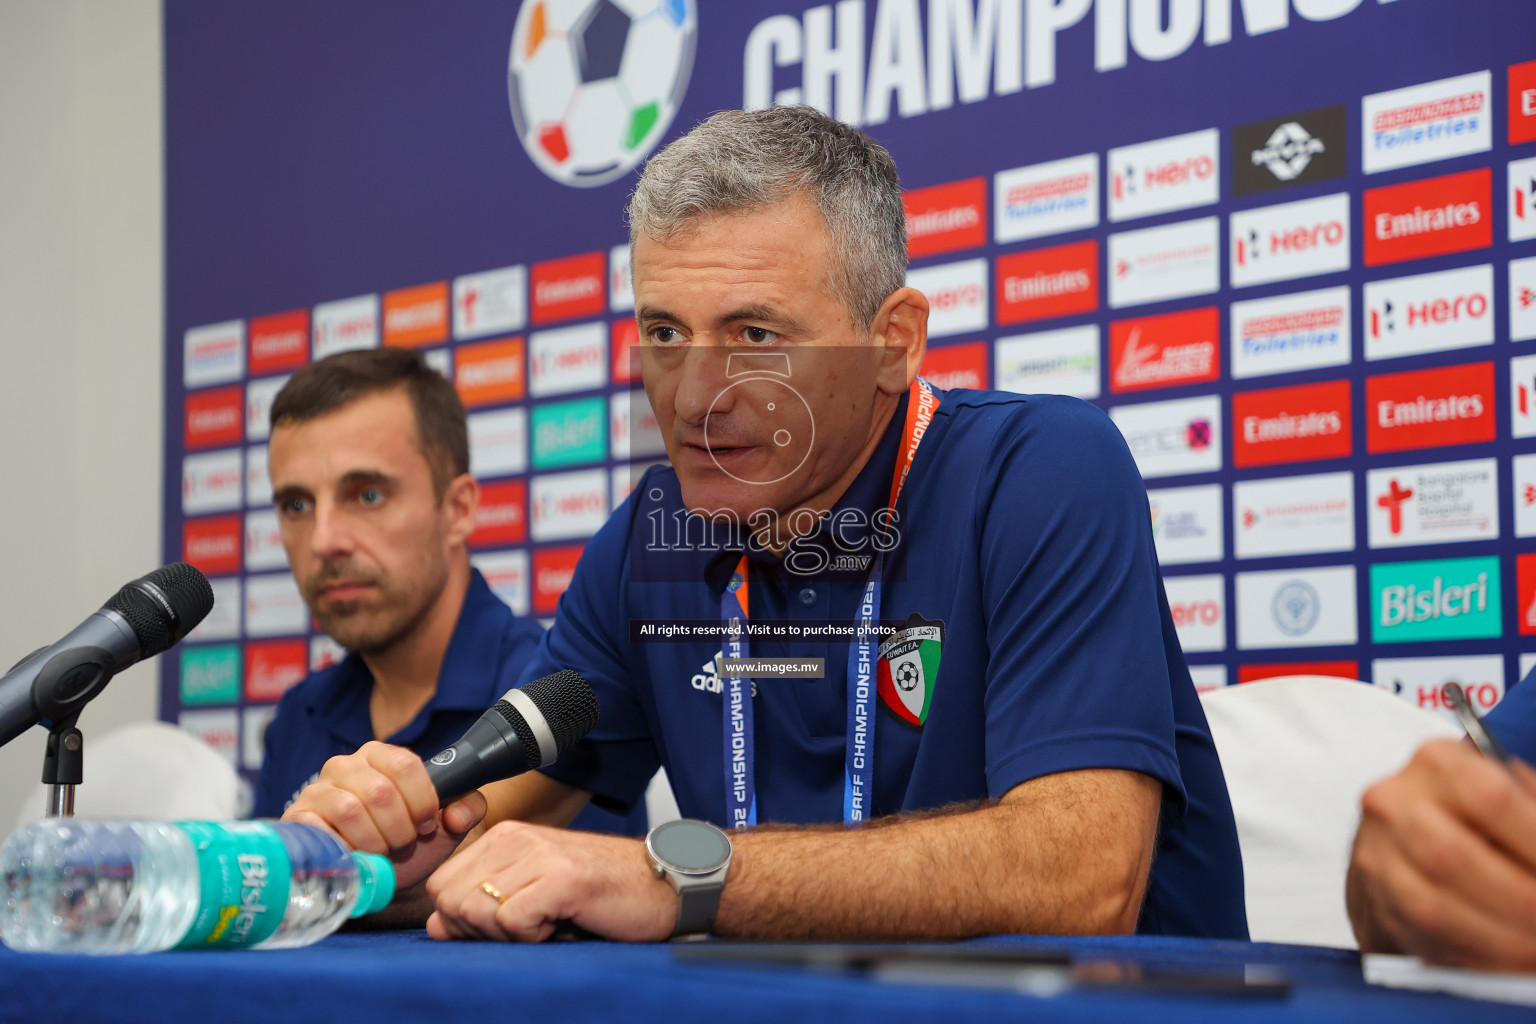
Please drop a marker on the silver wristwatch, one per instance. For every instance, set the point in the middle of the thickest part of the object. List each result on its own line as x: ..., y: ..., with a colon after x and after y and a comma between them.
x: 694, y: 857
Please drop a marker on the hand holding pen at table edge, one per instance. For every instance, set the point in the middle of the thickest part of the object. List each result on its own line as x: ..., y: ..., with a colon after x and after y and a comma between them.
x: 1444, y: 864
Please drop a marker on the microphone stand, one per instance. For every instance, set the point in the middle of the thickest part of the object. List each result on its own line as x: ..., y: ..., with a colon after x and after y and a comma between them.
x: 63, y: 766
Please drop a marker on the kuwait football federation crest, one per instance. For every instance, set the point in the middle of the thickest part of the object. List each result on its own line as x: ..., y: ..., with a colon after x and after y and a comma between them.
x: 907, y: 666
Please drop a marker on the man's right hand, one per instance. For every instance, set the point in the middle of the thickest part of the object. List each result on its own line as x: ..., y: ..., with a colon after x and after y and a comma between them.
x: 380, y: 800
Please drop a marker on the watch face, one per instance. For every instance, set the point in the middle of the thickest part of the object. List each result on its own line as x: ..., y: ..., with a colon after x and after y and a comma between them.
x: 690, y: 846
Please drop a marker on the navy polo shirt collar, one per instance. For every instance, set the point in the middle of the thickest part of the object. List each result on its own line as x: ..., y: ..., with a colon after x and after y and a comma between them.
x: 460, y: 682
x: 868, y: 494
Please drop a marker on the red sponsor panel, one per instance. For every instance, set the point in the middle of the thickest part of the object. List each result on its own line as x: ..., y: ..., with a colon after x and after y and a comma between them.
x: 626, y: 351
x: 215, y: 417
x: 1522, y: 103
x: 552, y: 570
x: 1043, y: 283
x: 957, y: 366
x: 1164, y: 351
x: 1342, y: 669
x: 272, y: 666
x: 502, y: 517
x: 1429, y: 408
x: 945, y: 218
x: 278, y: 342
x: 1297, y: 424
x: 1525, y: 576
x: 568, y: 288
x: 1452, y: 213
x: 214, y: 544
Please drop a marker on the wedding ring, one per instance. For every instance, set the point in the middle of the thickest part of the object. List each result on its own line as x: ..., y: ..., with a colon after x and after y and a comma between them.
x: 491, y: 891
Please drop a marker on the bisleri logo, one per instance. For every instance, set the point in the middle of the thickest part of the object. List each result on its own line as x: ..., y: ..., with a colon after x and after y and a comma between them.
x: 1443, y: 599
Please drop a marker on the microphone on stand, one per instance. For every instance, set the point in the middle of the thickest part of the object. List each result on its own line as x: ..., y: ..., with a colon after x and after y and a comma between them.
x: 528, y: 728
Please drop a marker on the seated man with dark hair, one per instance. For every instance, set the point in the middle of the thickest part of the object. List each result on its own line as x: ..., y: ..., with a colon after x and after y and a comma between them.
x: 369, y: 459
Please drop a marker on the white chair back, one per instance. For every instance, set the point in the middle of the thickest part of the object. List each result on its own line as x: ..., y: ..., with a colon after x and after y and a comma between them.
x: 1298, y: 752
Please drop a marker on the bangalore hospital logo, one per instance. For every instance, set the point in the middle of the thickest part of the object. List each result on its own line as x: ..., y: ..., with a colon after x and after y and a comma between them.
x: 594, y: 84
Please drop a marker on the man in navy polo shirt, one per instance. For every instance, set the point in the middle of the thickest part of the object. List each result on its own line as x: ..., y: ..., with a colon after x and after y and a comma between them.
x: 369, y: 458
x: 1444, y: 864
x: 1020, y: 743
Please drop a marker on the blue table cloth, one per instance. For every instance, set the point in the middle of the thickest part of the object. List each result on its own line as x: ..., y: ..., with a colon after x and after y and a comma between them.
x: 405, y: 976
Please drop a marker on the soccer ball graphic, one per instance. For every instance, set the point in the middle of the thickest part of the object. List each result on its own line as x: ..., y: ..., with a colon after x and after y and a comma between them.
x: 906, y: 675
x: 594, y: 84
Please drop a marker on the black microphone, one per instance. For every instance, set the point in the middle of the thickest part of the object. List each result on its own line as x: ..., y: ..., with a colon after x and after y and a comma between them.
x: 528, y: 728
x: 142, y: 619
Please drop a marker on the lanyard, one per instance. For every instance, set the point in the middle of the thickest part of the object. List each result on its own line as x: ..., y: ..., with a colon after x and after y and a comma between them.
x: 858, y: 767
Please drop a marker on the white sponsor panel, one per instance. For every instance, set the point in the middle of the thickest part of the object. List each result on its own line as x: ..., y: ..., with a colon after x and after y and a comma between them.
x: 1172, y: 438
x: 1523, y: 484
x: 1164, y: 175
x: 1199, y: 607
x: 1527, y: 662
x: 1294, y: 515
x: 1522, y: 396
x: 324, y: 652
x: 219, y: 729
x: 253, y: 732
x: 632, y: 426
x: 490, y: 302
x: 1169, y: 262
x: 1424, y: 123
x: 498, y: 442
x: 1429, y: 312
x: 1064, y: 362
x: 273, y: 606
x: 1286, y: 333
x: 1187, y: 524
x: 1421, y: 681
x: 957, y: 296
x: 1290, y: 240
x: 1208, y: 677
x: 223, y: 621
x: 507, y: 574
x: 441, y: 360
x: 264, y: 542
x: 568, y: 505
x: 567, y: 359
x: 258, y: 484
x: 346, y: 324
x: 212, y: 481
x: 1433, y: 504
x: 1521, y: 193
x: 1296, y: 608
x: 624, y: 479
x: 1522, y: 299
x: 213, y: 354
x: 258, y: 406
x: 621, y: 281
x: 1046, y: 199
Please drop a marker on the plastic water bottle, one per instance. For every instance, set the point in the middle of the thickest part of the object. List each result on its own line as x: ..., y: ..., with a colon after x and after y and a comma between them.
x: 74, y: 886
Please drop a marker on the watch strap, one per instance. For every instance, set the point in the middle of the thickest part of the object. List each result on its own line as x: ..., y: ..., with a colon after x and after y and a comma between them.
x: 697, y: 905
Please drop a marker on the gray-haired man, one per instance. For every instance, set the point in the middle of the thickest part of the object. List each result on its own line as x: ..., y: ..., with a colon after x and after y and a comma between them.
x: 1016, y: 747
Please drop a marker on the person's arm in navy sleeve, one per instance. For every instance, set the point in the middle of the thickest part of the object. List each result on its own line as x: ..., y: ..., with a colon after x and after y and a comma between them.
x: 1066, y: 847
x: 1444, y: 864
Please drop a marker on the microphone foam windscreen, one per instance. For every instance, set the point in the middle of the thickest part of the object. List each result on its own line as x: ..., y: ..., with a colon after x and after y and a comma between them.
x: 568, y: 703
x: 164, y: 606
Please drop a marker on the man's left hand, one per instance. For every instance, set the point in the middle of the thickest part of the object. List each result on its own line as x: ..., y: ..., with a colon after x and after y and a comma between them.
x: 518, y: 882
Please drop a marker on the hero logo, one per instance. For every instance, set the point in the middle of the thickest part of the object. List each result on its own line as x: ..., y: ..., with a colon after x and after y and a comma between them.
x: 1198, y: 605
x: 1300, y: 239
x: 1429, y: 312
x: 346, y: 324
x: 567, y: 505
x: 1522, y: 385
x: 211, y: 482
x: 621, y: 280
x: 567, y: 359
x: 1432, y: 217
x: 1522, y: 299
x: 957, y: 296
x: 1429, y: 122
x: 264, y: 541
x: 1168, y: 174
x: 1423, y: 682
x: 1522, y: 186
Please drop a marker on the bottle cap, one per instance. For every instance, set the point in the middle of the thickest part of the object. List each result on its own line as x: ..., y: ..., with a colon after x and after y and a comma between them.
x: 375, y: 883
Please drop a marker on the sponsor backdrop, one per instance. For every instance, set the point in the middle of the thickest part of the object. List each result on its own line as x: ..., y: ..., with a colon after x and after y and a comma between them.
x: 1288, y: 245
